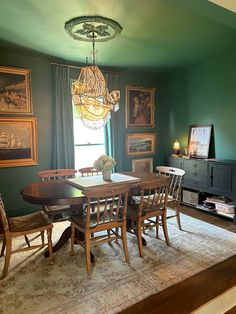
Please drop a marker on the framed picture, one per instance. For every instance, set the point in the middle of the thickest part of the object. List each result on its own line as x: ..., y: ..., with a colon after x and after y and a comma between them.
x: 140, y: 143
x: 142, y: 165
x: 139, y: 106
x: 18, y: 141
x: 199, y: 140
x: 15, y: 91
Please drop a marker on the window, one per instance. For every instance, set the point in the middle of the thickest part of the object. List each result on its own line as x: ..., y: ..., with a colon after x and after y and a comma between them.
x: 89, y: 144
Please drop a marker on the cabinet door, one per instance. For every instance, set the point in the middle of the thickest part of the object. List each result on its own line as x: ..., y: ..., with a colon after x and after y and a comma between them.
x: 234, y: 183
x: 176, y: 162
x: 220, y: 179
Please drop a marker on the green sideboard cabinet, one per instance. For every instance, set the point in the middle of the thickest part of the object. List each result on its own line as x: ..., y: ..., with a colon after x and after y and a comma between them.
x: 213, y: 176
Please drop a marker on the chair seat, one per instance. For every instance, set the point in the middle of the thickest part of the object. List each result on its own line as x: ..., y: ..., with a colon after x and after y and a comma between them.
x: 28, y: 222
x: 80, y: 220
x: 138, y: 197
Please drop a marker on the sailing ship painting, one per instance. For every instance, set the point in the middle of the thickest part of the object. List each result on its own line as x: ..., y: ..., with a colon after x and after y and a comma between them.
x: 11, y: 147
x: 17, y: 141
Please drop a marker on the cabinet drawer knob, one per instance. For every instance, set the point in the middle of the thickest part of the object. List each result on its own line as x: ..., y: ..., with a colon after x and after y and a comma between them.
x: 195, y: 174
x: 195, y: 165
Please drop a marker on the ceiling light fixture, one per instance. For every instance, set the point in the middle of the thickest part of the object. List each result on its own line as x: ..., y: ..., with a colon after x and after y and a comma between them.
x: 90, y: 93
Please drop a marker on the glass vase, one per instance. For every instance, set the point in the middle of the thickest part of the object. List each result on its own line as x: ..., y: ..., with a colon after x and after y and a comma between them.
x: 106, y: 175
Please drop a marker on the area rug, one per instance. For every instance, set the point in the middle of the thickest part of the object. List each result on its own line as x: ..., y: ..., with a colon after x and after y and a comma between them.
x: 33, y: 286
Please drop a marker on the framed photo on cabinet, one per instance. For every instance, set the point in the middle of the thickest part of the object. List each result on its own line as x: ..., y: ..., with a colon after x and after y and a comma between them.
x: 18, y: 141
x: 199, y: 140
x: 140, y: 143
x: 15, y: 91
x: 142, y: 165
x: 139, y: 106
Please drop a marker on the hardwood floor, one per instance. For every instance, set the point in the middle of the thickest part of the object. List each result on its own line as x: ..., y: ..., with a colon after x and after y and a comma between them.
x: 197, y: 290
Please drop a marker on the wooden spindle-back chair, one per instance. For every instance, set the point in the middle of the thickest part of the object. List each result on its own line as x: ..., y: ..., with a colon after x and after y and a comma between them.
x: 13, y: 227
x: 150, y: 204
x: 109, y: 214
x: 174, y: 196
x: 56, y: 212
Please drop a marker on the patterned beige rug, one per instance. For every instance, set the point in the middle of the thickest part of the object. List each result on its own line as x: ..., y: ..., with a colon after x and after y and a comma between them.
x: 33, y: 286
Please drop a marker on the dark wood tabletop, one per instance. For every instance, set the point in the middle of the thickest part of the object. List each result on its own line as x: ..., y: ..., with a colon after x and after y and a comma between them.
x: 57, y: 192
x: 60, y: 192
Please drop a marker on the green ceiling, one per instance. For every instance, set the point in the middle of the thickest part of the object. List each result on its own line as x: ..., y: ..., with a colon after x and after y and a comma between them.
x: 156, y: 33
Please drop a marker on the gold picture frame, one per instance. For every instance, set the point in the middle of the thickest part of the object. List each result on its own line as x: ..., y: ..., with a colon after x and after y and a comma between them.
x: 15, y: 91
x: 18, y: 141
x: 142, y: 165
x: 139, y: 106
x: 140, y: 143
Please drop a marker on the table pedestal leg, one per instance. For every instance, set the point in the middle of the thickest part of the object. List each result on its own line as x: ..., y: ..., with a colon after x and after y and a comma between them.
x: 66, y: 235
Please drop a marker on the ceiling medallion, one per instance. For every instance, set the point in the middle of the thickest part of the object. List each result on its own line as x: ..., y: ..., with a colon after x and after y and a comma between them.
x: 82, y: 28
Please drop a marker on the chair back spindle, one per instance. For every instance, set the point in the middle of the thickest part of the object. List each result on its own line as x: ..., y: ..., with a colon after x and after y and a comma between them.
x: 88, y: 171
x: 110, y: 205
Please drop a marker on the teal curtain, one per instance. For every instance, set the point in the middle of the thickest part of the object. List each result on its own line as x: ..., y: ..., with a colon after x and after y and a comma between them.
x: 62, y: 121
x: 112, y: 130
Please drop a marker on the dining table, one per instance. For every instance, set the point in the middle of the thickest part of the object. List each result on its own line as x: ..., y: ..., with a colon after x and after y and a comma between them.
x: 70, y: 192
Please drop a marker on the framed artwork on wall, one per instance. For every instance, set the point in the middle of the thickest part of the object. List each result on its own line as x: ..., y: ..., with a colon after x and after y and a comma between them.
x: 139, y: 106
x: 18, y: 141
x: 199, y: 140
x: 15, y: 91
x: 143, y: 165
x: 140, y: 143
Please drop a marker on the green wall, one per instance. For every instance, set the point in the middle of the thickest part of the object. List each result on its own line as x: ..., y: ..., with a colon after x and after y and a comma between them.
x: 144, y: 79
x: 14, y: 178
x: 204, y: 94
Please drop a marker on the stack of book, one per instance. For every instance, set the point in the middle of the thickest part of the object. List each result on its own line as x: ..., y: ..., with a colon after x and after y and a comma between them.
x: 220, y: 204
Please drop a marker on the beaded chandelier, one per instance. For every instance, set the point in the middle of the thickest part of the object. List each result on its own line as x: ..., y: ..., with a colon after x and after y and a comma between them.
x: 89, y: 93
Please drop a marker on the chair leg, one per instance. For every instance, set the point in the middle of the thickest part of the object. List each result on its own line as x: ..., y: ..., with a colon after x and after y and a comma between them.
x: 124, y: 241
x: 157, y: 227
x: 164, y: 226
x: 139, y: 237
x: 178, y: 216
x: 72, y: 240
x: 7, y: 256
x: 27, y: 240
x: 42, y: 236
x: 49, y: 235
x: 117, y: 232
x: 3, y: 246
x: 87, y: 252
x: 109, y: 235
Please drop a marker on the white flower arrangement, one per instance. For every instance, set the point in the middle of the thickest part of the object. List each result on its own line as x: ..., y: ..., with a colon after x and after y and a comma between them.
x: 104, y: 163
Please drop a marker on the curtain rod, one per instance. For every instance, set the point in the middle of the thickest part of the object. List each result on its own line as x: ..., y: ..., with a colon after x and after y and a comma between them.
x: 79, y: 67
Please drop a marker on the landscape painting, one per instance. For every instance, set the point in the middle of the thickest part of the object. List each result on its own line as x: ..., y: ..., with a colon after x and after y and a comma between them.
x: 15, y: 91
x: 140, y: 143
